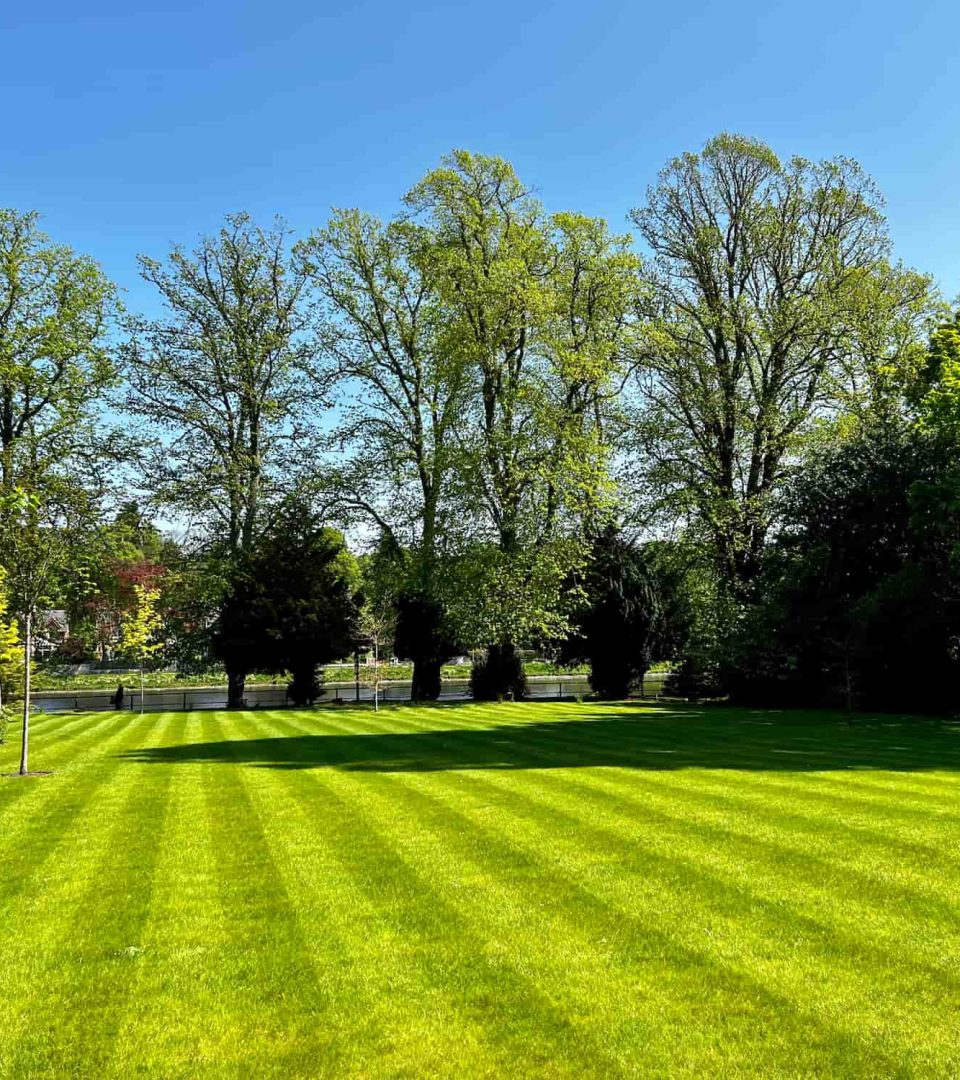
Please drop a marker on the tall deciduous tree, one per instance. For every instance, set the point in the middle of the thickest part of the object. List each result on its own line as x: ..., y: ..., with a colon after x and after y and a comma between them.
x: 774, y: 299
x: 536, y: 310
x: 218, y: 374
x: 55, y: 359
x: 401, y: 387
x: 493, y: 253
x: 589, y: 339
x: 218, y: 378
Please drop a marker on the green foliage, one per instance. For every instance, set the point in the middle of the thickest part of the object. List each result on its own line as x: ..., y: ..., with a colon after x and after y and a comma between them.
x: 538, y: 311
x: 940, y: 405
x: 617, y: 626
x: 55, y: 361
x: 194, y: 587
x: 399, y: 384
x: 111, y: 559
x: 291, y: 604
x: 862, y: 585
x: 217, y: 379
x: 423, y: 634
x: 497, y: 596
x: 502, y: 383
x: 476, y: 343
x: 35, y: 544
x: 11, y: 652
x: 140, y: 627
x: 400, y: 389
x: 773, y: 301
x: 498, y: 675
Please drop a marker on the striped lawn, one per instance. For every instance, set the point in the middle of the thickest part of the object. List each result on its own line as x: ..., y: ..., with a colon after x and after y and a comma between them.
x: 512, y: 890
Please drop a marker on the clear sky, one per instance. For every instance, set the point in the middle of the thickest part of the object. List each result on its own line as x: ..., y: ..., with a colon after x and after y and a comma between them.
x: 130, y: 125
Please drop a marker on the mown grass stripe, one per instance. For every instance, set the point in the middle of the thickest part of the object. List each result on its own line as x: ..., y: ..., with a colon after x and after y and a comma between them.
x: 655, y: 728
x: 366, y: 973
x: 762, y: 861
x: 46, y: 913
x: 931, y: 847
x: 531, y: 888
x: 445, y: 956
x: 45, y: 755
x: 511, y: 778
x: 103, y: 948
x: 744, y: 779
x: 510, y: 906
x: 275, y: 997
x: 172, y: 1024
x: 688, y: 887
x: 813, y: 924
x: 704, y: 859
x: 846, y: 838
x: 37, y: 827
x: 808, y: 856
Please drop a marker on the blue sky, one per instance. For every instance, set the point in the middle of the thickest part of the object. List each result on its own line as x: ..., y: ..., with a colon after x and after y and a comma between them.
x: 132, y: 125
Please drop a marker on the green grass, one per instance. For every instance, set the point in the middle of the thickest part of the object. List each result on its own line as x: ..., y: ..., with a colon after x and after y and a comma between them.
x: 511, y: 890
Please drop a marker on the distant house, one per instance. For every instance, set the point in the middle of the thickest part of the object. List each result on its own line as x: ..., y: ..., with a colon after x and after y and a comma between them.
x: 51, y: 631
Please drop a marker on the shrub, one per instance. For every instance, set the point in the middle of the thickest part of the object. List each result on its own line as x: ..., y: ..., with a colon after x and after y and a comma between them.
x: 498, y: 675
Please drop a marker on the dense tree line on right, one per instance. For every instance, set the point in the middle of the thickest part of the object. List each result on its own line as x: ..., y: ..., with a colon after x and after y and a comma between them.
x: 796, y: 443
x: 858, y: 600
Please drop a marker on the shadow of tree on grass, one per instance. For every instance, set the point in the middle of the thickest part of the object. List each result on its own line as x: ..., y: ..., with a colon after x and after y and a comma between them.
x: 655, y: 738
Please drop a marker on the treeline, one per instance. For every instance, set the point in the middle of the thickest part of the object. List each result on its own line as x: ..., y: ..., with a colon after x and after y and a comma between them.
x: 726, y: 439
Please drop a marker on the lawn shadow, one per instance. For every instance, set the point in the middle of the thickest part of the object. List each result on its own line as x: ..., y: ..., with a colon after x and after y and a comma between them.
x: 652, y: 738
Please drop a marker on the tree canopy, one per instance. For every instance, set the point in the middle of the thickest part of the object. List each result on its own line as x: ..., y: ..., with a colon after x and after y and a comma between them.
x: 292, y: 603
x: 55, y: 356
x: 727, y: 441
x: 773, y: 299
x: 218, y: 380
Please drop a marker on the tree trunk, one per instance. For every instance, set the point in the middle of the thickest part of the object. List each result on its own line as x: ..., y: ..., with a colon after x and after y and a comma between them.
x: 426, y: 679
x: 141, y: 688
x: 235, y: 686
x: 25, y: 742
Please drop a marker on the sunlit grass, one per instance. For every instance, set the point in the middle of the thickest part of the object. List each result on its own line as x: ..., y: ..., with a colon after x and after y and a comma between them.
x: 504, y: 890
